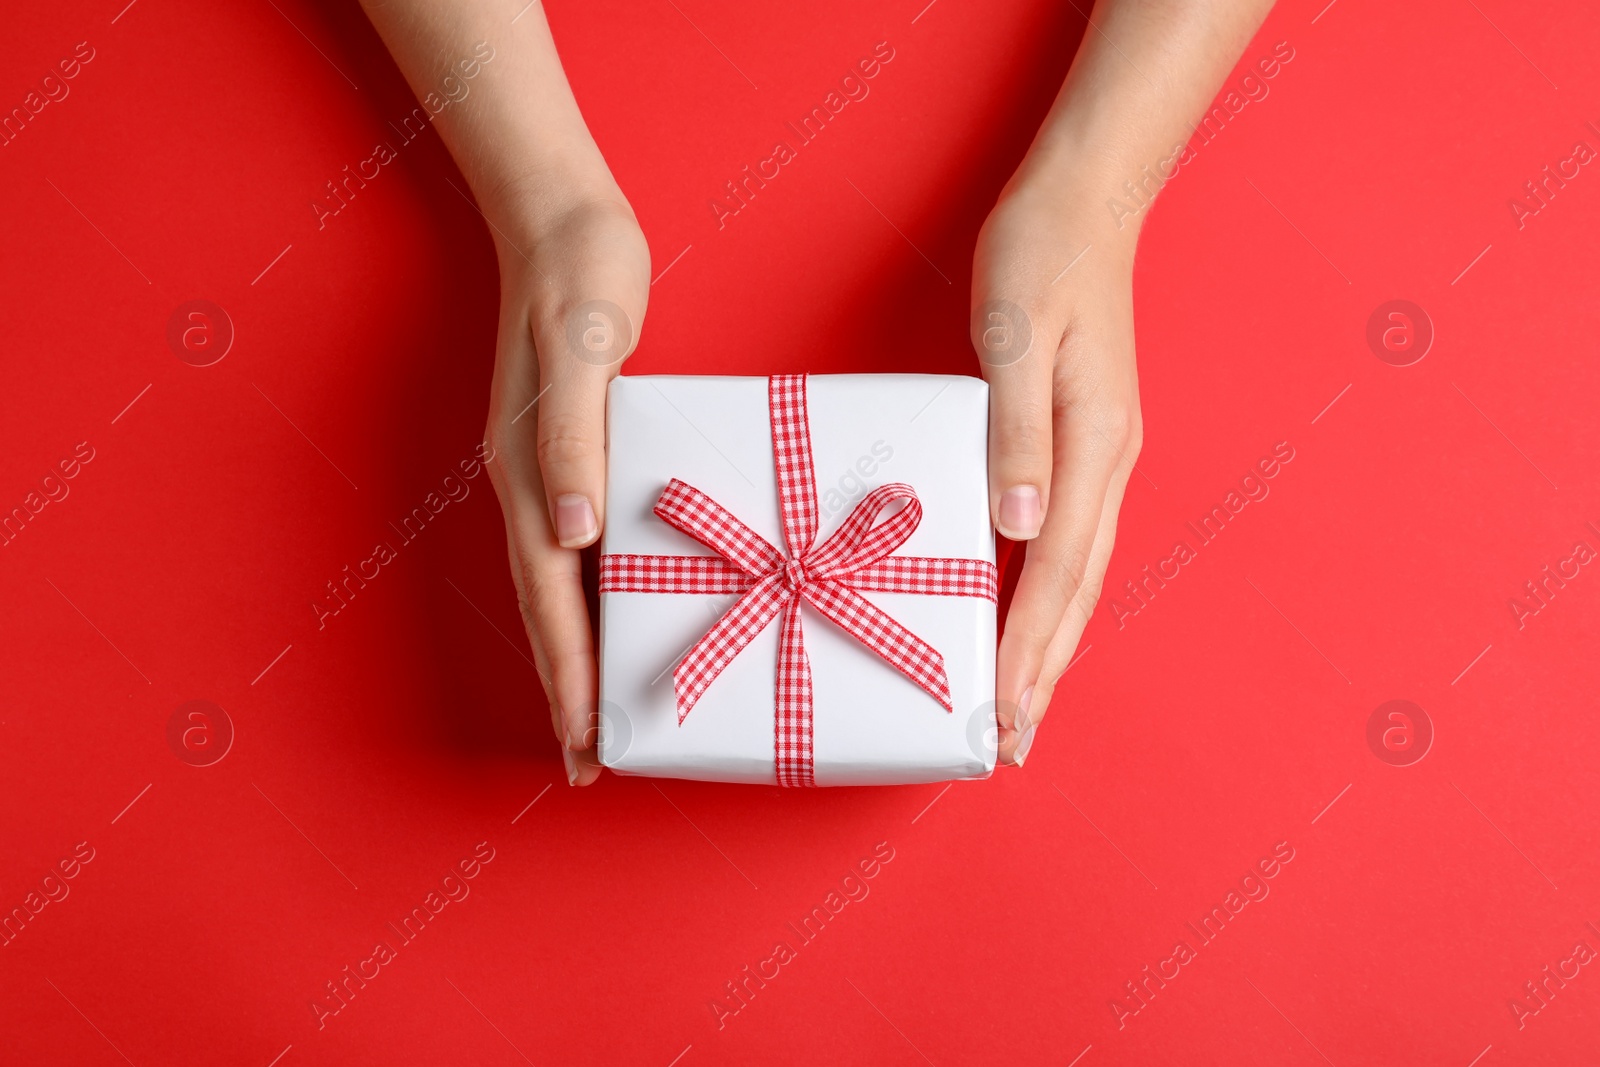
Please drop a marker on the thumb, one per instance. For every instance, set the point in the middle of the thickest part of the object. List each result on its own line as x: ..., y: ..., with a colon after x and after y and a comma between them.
x: 1017, y: 355
x: 579, y: 353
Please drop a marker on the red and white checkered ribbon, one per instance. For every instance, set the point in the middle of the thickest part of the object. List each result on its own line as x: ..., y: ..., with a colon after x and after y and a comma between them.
x: 829, y: 576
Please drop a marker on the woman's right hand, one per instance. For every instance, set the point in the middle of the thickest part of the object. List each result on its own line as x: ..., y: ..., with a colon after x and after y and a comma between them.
x: 574, y: 277
x: 573, y: 286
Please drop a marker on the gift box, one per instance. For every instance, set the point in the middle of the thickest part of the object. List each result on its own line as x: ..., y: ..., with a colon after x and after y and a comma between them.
x: 797, y: 580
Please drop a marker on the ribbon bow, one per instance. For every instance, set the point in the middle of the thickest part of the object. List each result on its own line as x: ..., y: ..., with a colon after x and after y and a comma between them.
x: 829, y: 576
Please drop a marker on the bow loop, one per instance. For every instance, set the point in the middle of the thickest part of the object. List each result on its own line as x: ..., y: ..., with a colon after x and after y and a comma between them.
x: 686, y: 508
x: 862, y: 541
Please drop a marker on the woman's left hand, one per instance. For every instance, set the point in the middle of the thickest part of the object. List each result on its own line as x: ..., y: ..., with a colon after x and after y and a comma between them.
x: 1052, y: 322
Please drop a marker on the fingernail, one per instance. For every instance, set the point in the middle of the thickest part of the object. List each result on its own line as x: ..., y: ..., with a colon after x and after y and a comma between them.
x: 1024, y: 702
x: 572, y: 766
x: 1025, y: 725
x: 1024, y: 744
x: 1020, y: 513
x: 575, y: 525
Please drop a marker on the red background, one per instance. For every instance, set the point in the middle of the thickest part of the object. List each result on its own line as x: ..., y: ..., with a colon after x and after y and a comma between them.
x: 1221, y: 719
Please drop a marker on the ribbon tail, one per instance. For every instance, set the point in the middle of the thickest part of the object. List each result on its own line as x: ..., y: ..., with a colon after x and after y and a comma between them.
x: 793, y: 752
x: 893, y: 643
x: 724, y: 641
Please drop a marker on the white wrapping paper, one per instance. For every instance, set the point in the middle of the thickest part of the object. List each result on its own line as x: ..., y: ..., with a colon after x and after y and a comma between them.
x: 872, y: 725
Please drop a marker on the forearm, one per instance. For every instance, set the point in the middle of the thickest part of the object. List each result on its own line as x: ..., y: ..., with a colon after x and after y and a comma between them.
x: 509, y: 120
x: 1142, y: 78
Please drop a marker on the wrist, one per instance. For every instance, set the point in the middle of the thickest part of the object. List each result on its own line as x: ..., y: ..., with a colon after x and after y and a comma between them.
x: 1104, y: 184
x: 1084, y: 204
x: 528, y: 207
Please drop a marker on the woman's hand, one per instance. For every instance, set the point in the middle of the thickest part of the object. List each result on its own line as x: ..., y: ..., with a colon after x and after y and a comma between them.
x: 1052, y: 322
x: 1052, y: 316
x: 574, y: 277
x: 572, y: 302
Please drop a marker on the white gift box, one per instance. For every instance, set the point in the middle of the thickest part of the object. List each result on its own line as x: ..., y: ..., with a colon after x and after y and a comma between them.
x: 871, y: 724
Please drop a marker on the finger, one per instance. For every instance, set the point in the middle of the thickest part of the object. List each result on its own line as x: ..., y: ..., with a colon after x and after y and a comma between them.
x: 581, y: 340
x: 582, y: 767
x: 587, y: 769
x: 1017, y: 365
x: 553, y: 607
x: 1016, y: 742
x: 548, y: 577
x: 541, y: 662
x: 578, y: 355
x: 1057, y: 562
